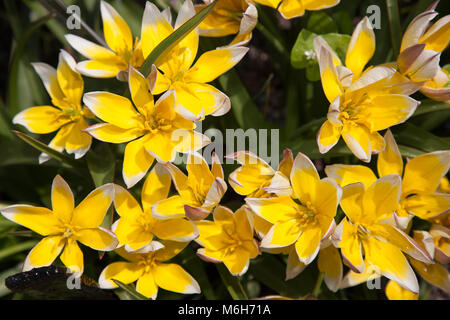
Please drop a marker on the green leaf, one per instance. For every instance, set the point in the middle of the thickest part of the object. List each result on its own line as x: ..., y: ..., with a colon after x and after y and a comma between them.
x: 321, y: 23
x: 130, y: 290
x: 17, y: 73
x: 344, y: 22
x: 19, y: 247
x: 338, y: 42
x: 101, y: 164
x: 427, y: 106
x: 175, y: 38
x: 245, y: 111
x: 415, y: 137
x: 303, y: 47
x: 394, y: 25
x: 46, y: 149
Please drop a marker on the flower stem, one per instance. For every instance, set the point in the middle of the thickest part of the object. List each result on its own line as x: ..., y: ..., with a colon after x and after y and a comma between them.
x: 232, y: 283
x: 394, y: 24
x: 319, y: 280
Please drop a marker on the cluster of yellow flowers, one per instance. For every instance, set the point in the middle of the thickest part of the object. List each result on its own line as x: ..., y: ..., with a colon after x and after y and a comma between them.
x: 291, y: 210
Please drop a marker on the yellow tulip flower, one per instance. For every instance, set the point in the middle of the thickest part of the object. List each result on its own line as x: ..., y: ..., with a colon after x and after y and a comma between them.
x: 150, y: 271
x: 228, y: 239
x: 229, y: 17
x: 65, y: 87
x: 437, y: 273
x: 122, y: 51
x: 136, y: 227
x: 161, y: 130
x: 255, y: 178
x: 421, y: 178
x: 362, y: 103
x: 420, y: 51
x: 176, y: 70
x: 366, y: 230
x: 295, y: 8
x: 66, y: 225
x: 303, y: 219
x: 198, y: 192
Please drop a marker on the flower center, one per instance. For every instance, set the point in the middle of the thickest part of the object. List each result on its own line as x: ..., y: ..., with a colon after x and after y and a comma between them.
x: 154, y: 125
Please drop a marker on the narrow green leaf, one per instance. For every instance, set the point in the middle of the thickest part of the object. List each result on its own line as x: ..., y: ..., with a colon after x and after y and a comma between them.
x: 175, y: 37
x: 394, y: 25
x: 428, y: 106
x: 244, y: 110
x: 415, y: 137
x: 17, y: 248
x: 130, y: 290
x: 46, y: 149
x: 232, y: 283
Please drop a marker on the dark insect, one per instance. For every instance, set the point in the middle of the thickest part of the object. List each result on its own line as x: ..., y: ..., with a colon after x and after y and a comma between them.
x: 54, y: 283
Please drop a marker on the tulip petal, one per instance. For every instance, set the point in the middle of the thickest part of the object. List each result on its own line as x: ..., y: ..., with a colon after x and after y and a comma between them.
x: 110, y: 133
x: 44, y: 253
x: 124, y: 272
x: 274, y: 210
x: 156, y: 187
x: 395, y: 292
x: 72, y: 256
x: 308, y: 244
x: 361, y: 47
x: 427, y: 206
x: 328, y: 136
x: 69, y: 80
x: 282, y: 234
x: 98, y: 239
x: 92, y: 210
x: 42, y: 119
x: 347, y: 174
x: 168, y: 208
x: 330, y: 263
x: 351, y: 248
x: 63, y: 202
x: 117, y: 33
x: 136, y: 161
x: 304, y: 178
x: 390, y: 160
x: 176, y: 229
x: 172, y: 277
x: 381, y: 199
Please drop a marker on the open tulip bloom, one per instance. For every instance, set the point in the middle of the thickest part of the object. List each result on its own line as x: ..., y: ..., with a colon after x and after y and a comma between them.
x: 66, y: 225
x: 162, y: 208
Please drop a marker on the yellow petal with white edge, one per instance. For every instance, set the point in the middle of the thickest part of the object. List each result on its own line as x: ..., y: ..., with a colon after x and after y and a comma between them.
x: 308, y: 244
x: 78, y: 142
x: 291, y: 8
x: 214, y: 63
x: 110, y: 133
x: 330, y: 80
x: 319, y: 4
x: 168, y: 208
x: 253, y: 173
x: 357, y: 138
x: 58, y: 142
x: 377, y: 142
x: 89, y: 49
x: 174, y: 278
x: 146, y: 285
x: 72, y: 257
x: 198, y: 170
x: 390, y: 160
x: 237, y: 262
x: 100, y: 69
x: 282, y: 234
x: 361, y: 47
x: 92, y: 210
x: 424, y: 173
x: 351, y: 246
x: 124, y: 272
x: 274, y: 210
x: 328, y: 196
x: 400, y: 239
x: 117, y: 33
x: 175, y: 229
x: 40, y: 220
x: 388, y: 110
x: 170, y: 250
x: 41, y: 119
x: 140, y: 92
x: 330, y: 263
x: 48, y: 76
x: 113, y: 109
x: 427, y: 206
x: 195, y: 100
x: 155, y: 28
x: 304, y: 178
x: 189, y: 140
x: 69, y: 80
x: 437, y: 36
x: 369, y: 275
x: 44, y: 253
x: 395, y: 292
x: 345, y: 174
x: 161, y: 145
x: 328, y: 136
x: 62, y: 199
x: 156, y: 186
x: 381, y: 199
x: 136, y: 161
x: 98, y: 239
x: 390, y: 262
x: 131, y: 233
x: 435, y: 274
